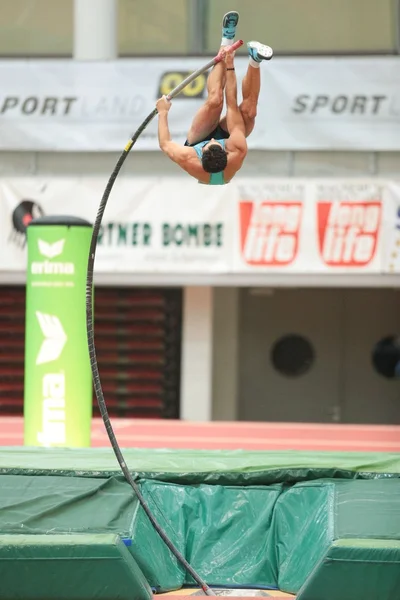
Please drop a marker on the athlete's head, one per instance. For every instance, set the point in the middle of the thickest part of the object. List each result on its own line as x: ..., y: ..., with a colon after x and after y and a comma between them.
x: 214, y: 158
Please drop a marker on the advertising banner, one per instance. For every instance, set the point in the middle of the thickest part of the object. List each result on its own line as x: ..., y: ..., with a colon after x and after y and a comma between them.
x: 392, y: 229
x: 257, y: 225
x: 58, y: 380
x: 149, y: 226
x: 332, y: 103
x: 299, y: 226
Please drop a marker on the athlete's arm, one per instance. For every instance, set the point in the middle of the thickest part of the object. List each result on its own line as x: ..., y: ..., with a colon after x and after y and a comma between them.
x: 164, y: 137
x: 181, y: 155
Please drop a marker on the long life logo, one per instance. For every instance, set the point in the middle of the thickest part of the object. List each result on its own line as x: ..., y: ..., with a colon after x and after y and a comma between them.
x: 348, y: 232
x: 269, y: 232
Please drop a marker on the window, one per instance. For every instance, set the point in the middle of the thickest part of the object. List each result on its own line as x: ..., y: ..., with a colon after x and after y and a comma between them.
x: 45, y: 27
x: 153, y: 27
x: 292, y: 355
x: 386, y: 357
x: 310, y: 26
x: 36, y: 27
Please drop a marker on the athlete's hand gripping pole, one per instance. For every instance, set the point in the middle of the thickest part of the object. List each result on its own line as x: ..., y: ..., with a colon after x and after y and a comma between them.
x: 90, y: 329
x: 201, y: 70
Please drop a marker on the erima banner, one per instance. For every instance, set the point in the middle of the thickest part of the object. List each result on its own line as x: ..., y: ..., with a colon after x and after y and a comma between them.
x: 305, y: 103
x: 257, y: 225
x: 58, y: 382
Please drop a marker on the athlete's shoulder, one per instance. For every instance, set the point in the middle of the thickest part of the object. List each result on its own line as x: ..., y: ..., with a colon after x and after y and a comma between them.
x: 237, y: 143
x: 235, y: 161
x: 194, y: 167
x: 178, y: 153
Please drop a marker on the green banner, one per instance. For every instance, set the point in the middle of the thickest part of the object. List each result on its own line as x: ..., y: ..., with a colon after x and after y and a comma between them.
x: 58, y: 382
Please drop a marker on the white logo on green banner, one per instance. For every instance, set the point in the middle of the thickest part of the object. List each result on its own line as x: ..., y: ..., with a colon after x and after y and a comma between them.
x: 50, y: 267
x: 53, y: 410
x: 58, y: 382
x: 54, y: 338
x: 51, y: 250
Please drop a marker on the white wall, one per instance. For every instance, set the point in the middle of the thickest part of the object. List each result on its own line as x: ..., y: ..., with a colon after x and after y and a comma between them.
x: 225, y: 354
x: 197, y: 354
x: 289, y: 164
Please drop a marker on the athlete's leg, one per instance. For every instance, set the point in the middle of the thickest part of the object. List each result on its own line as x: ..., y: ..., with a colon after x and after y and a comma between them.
x: 251, y: 83
x: 251, y: 86
x: 208, y: 116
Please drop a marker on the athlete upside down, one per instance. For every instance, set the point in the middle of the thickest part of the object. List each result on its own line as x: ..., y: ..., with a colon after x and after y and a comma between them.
x: 216, y: 148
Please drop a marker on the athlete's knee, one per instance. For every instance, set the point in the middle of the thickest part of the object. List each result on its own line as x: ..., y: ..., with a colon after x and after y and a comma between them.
x: 215, y: 99
x: 248, y: 110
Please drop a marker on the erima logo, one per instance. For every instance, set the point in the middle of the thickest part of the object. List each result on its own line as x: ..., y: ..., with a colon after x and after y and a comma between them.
x: 51, y: 250
x: 54, y: 338
x: 53, y: 410
x: 48, y: 267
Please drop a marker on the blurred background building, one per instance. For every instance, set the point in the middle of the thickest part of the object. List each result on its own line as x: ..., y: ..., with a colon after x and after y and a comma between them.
x: 263, y: 344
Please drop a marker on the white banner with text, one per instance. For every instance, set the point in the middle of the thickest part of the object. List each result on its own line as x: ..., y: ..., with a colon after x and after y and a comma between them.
x: 305, y: 103
x: 178, y: 226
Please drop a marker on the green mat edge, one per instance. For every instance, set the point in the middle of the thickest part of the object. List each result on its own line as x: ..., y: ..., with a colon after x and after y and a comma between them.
x: 141, y: 589
x: 360, y: 543
x: 195, y: 466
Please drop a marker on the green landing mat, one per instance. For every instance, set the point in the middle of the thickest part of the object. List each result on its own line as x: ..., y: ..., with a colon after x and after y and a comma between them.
x: 69, y: 567
x: 248, y: 519
x: 222, y: 467
x: 354, y: 569
x: 311, y: 516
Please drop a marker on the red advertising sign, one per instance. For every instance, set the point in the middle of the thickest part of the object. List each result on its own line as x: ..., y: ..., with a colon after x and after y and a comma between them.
x: 269, y: 232
x: 348, y: 232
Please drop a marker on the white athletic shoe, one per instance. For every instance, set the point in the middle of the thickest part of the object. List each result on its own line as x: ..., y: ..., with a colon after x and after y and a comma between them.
x: 259, y: 52
x: 229, y: 24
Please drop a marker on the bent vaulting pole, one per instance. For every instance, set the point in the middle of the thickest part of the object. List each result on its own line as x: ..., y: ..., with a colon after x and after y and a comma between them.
x: 90, y: 326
